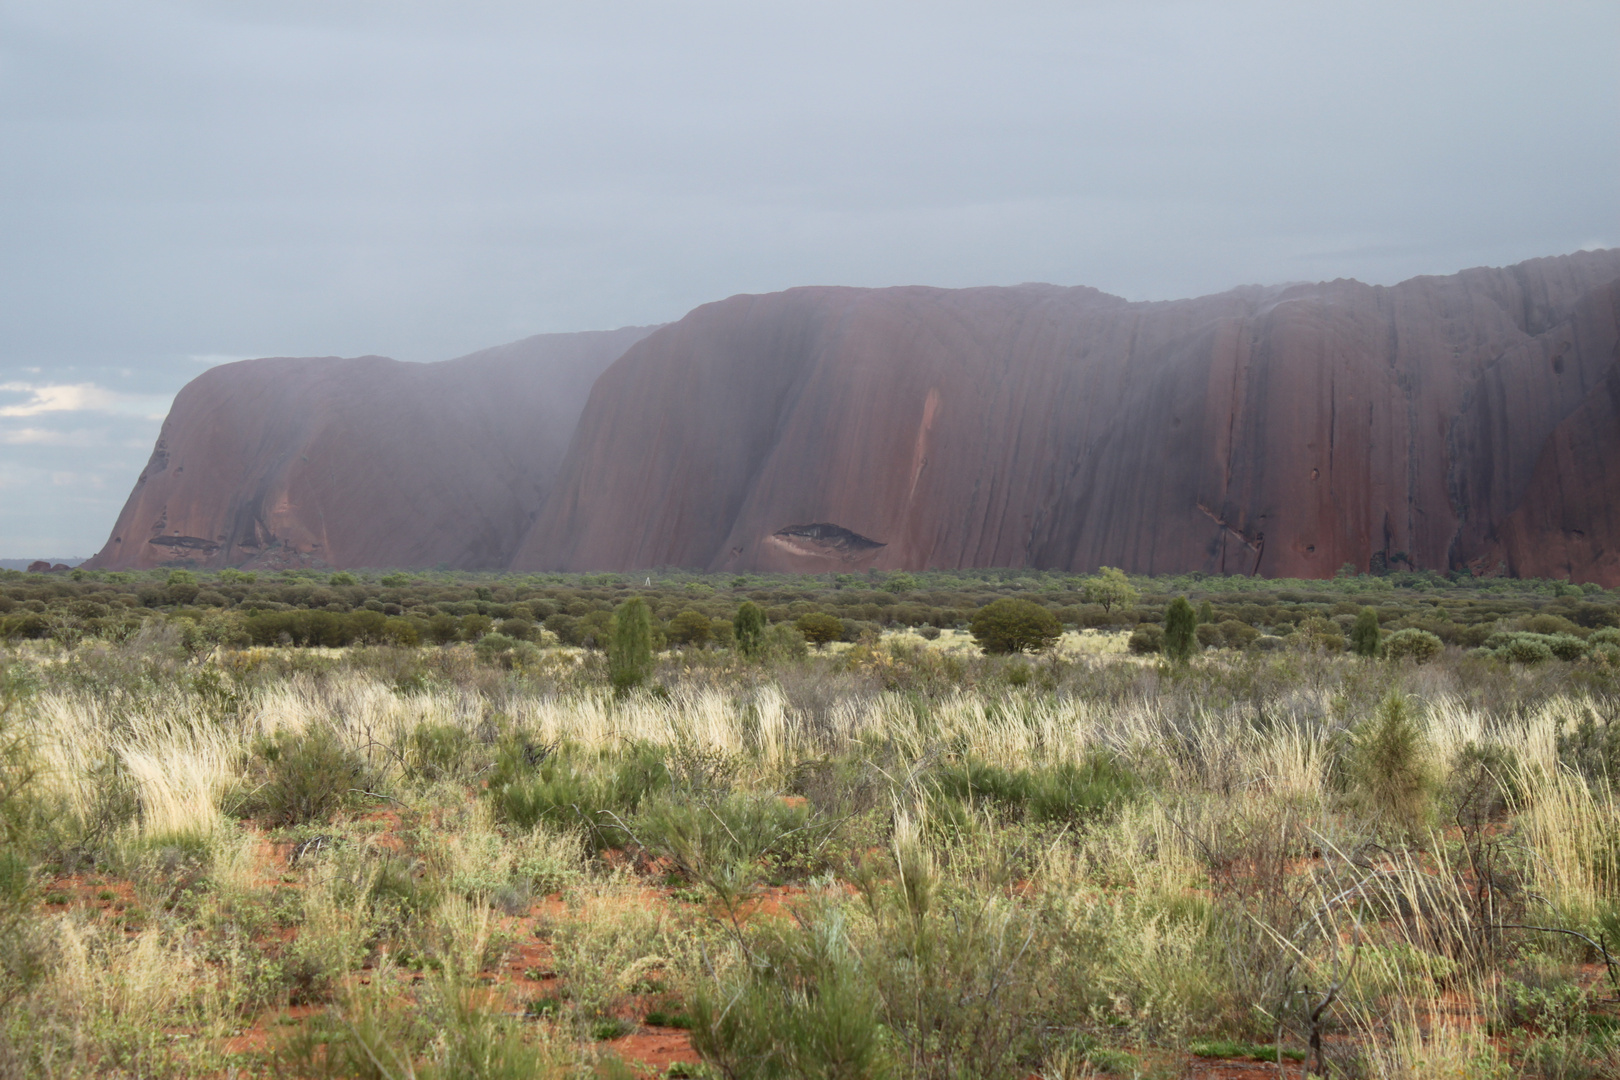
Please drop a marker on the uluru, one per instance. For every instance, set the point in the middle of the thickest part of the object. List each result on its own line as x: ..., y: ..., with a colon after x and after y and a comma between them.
x: 1457, y: 423
x: 366, y: 461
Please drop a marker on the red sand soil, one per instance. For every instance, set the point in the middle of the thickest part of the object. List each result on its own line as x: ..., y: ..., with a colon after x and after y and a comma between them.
x: 525, y: 973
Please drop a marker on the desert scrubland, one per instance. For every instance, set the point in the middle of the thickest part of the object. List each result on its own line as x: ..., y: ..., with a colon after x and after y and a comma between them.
x: 486, y: 830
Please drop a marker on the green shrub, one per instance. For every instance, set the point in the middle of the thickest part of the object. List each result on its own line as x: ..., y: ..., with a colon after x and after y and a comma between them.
x: 1566, y: 646
x: 310, y: 776
x: 900, y: 583
x: 819, y: 628
x: 1413, y: 644
x: 784, y: 642
x: 29, y: 625
x: 726, y: 840
x: 690, y: 627
x: 803, y: 1009
x: 1524, y: 649
x: 1147, y: 639
x: 572, y: 789
x: 1110, y: 588
x: 1064, y: 792
x: 492, y: 647
x: 437, y: 751
x: 1237, y: 635
x: 1014, y: 625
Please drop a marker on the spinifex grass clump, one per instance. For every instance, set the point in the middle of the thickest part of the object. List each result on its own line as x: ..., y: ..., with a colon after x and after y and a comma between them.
x: 571, y: 788
x: 728, y: 841
x: 1064, y: 792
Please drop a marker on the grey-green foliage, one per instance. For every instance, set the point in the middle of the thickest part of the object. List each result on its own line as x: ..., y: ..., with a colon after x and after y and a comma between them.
x: 1147, y: 639
x: 22, y: 945
x: 1413, y: 644
x: 1180, y: 630
x: 1364, y: 634
x: 630, y: 645
x: 922, y: 978
x: 309, y: 777
x: 725, y: 840
x: 784, y: 642
x: 1064, y: 792
x: 1528, y: 648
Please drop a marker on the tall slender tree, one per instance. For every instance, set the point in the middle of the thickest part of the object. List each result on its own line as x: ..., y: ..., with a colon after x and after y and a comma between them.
x: 748, y: 629
x: 630, y: 645
x: 1180, y: 630
x: 1364, y: 634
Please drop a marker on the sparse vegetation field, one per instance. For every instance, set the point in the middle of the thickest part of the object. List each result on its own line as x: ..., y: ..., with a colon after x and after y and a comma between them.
x: 922, y: 825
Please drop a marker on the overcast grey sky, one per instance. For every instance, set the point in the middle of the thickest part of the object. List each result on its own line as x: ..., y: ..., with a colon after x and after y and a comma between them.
x: 185, y: 182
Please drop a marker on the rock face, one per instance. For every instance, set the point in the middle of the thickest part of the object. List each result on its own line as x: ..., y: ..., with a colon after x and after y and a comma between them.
x: 1446, y: 422
x: 360, y: 462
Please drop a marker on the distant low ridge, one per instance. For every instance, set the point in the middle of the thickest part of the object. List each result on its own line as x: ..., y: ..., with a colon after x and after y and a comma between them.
x: 1468, y: 422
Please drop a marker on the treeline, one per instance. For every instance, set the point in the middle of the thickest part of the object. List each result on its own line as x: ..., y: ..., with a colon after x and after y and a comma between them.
x: 308, y: 608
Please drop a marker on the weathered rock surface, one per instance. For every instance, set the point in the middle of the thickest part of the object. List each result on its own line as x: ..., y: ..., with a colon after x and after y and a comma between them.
x: 360, y: 462
x: 1445, y: 422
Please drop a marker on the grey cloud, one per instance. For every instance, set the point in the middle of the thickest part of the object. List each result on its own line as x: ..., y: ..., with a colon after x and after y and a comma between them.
x: 423, y: 179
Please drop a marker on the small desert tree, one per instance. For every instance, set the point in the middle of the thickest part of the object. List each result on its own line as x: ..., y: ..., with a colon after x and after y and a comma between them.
x: 819, y: 628
x: 630, y: 644
x: 1364, y: 634
x: 690, y: 627
x: 748, y: 629
x: 1012, y: 625
x: 1391, y: 764
x: 1180, y: 630
x: 1110, y: 588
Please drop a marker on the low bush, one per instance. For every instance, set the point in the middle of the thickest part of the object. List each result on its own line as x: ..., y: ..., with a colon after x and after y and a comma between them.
x: 309, y: 776
x: 1413, y: 644
x: 819, y: 628
x: 1014, y: 625
x: 726, y: 841
x: 1147, y: 639
x: 570, y: 788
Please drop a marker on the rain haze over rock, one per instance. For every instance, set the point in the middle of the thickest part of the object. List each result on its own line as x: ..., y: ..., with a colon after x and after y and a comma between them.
x: 188, y: 183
